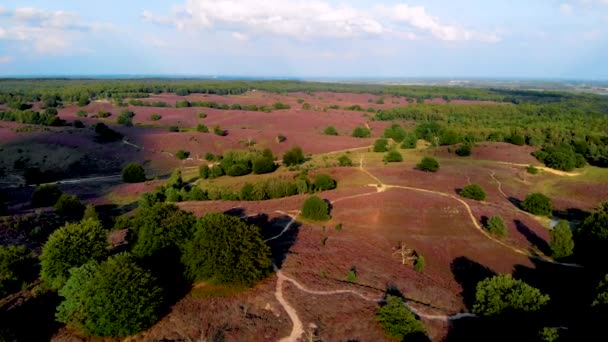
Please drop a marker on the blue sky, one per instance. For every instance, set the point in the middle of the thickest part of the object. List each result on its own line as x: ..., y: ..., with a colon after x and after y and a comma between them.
x: 307, y: 38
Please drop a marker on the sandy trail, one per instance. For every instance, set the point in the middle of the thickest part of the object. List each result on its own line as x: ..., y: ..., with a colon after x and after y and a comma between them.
x: 544, y: 168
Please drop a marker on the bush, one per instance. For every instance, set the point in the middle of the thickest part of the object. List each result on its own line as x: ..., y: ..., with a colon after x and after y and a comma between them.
x: 502, y: 293
x: 155, y: 117
x: 562, y: 157
x: 473, y: 191
x: 280, y: 105
x: 537, y: 204
x: 409, y: 141
x: 496, y: 226
x: 428, y: 164
x: 217, y: 130
x: 381, y: 145
x: 517, y: 139
x: 531, y: 169
x: 315, y: 208
x: 46, y: 195
x: 306, y: 106
x: 15, y: 266
x: 324, y: 182
x: 464, y: 150
x: 182, y: 154
x: 601, y: 298
x: 202, y: 128
x: 395, y: 132
x: 82, y: 114
x: 224, y: 249
x: 71, y: 246
x: 351, y: 276
x: 173, y: 129
x: 90, y: 213
x: 592, y: 235
x: 116, y: 298
x: 561, y: 243
x: 209, y: 156
x: 344, y: 160
x: 263, y: 164
x: 330, y: 130
x: 148, y: 199
x: 69, y: 206
x: 202, y: 115
x: 133, y: 173
x: 419, y: 265
x: 294, y: 156
x: 203, y: 171
x: 125, y: 118
x: 280, y: 138
x: 398, y: 321
x: 362, y: 132
x: 393, y: 157
x: 216, y: 171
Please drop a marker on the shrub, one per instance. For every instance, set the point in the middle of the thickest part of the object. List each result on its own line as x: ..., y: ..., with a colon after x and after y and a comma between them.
x: 362, y: 132
x: 71, y: 246
x: 344, y: 160
x: 46, y: 195
x: 398, y: 321
x: 219, y: 131
x: 69, y: 206
x: 496, y: 226
x: 148, y: 199
x: 531, y: 169
x: 409, y: 141
x: 449, y: 137
x: 464, y: 150
x: 155, y: 117
x: 280, y: 105
x: 82, y: 114
x: 395, y: 132
x: 125, y: 118
x: 330, y: 130
x: 173, y: 129
x: 306, y: 106
x: 381, y: 145
x: 294, y: 156
x: 202, y: 115
x: 203, y: 171
x: 182, y: 154
x: 517, y: 139
x: 601, y: 298
x: 502, y: 293
x: 216, y: 171
x: 202, y: 128
x: 393, y: 157
x: 224, y: 249
x: 324, y: 182
x: 338, y: 227
x: 351, y: 276
x: 280, y: 138
x: 592, y: 235
x: 182, y: 104
x: 116, y: 298
x: 428, y: 164
x: 209, y: 156
x: 315, y: 208
x: 419, y: 265
x: 561, y: 243
x: 537, y: 204
x: 263, y: 164
x: 173, y: 195
x: 104, y: 114
x: 133, y: 173
x: 15, y: 266
x: 473, y: 191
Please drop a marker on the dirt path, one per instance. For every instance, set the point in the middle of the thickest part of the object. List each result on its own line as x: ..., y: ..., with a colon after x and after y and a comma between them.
x: 544, y: 168
x: 498, y: 183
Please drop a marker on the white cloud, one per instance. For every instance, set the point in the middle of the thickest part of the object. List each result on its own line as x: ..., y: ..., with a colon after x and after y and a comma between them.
x: 566, y: 8
x: 313, y: 19
x: 240, y: 36
x: 5, y: 59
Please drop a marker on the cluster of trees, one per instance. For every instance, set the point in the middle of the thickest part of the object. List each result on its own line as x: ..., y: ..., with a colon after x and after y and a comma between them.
x: 238, y: 163
x: 141, y: 103
x: 67, y: 206
x: 235, y: 106
x: 47, y: 117
x: 563, y: 157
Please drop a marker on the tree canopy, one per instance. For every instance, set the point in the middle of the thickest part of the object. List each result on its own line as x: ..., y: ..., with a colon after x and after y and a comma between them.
x: 315, y: 208
x: 473, y: 191
x: 428, y: 164
x: 561, y: 243
x: 294, y: 156
x: 398, y: 321
x: 133, y: 173
x: 504, y: 294
x: 537, y: 204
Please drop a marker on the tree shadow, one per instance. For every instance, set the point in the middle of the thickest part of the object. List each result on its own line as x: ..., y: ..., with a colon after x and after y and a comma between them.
x: 515, y: 201
x: 468, y: 273
x: 457, y: 191
x: 330, y: 206
x: 532, y: 237
x: 571, y: 214
x: 29, y: 318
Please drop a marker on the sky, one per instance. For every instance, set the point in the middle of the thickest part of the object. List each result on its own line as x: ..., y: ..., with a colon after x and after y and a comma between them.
x: 530, y: 39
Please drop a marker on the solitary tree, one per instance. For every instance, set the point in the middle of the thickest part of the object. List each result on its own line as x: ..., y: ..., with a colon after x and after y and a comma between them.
x: 537, y: 204
x: 561, y: 243
x: 90, y: 213
x: 393, y: 156
x: 381, y: 145
x: 315, y: 208
x: 69, y: 206
x: 133, y: 173
x: 324, y: 182
x: 496, y: 226
x: 473, y: 191
x: 502, y: 293
x: 46, y: 195
x: 330, y: 130
x: 294, y: 156
x: 428, y: 164
x: 398, y: 321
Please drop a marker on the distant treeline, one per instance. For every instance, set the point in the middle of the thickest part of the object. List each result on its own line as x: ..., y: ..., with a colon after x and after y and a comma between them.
x: 82, y: 91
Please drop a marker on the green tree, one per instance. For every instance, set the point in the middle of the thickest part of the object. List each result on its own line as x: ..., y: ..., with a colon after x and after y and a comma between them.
x: 263, y: 164
x: 344, y: 160
x: 133, y: 173
x: 330, y: 130
x: 398, y: 321
x: 500, y: 294
x: 428, y: 164
x: 464, y: 150
x: 549, y: 334
x: 71, y: 246
x: 315, y: 208
x: 125, y: 118
x: 203, y: 171
x: 216, y: 171
x: 69, y: 206
x: 46, y: 195
x: 393, y: 156
x: 496, y: 226
x: 362, y: 132
x: 537, y: 204
x: 561, y: 243
x: 217, y: 130
x: 225, y: 249
x: 182, y: 154
x: 15, y: 268
x: 155, y: 117
x: 115, y: 298
x: 409, y: 141
x: 202, y: 128
x: 395, y: 132
x: 473, y: 191
x: 420, y: 263
x: 90, y: 213
x: 601, y: 298
x: 324, y: 182
x: 592, y: 236
x: 294, y: 156
x: 381, y: 145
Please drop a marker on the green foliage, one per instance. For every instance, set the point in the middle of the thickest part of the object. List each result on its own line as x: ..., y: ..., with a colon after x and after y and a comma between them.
x: 473, y: 191
x: 338, y: 227
x: 216, y: 171
x: 361, y: 132
x: 82, y: 113
x: 224, y: 249
x: 393, y: 156
x: 306, y: 106
x: 202, y: 115
x: 315, y: 208
x: 209, y: 156
x: 428, y: 164
x: 464, y: 150
x: 46, y: 195
x: 531, y: 169
x: 217, y: 130
x: 537, y: 204
x: 280, y: 105
x: 160, y: 228
x: 133, y: 173
x: 148, y: 199
x: 601, y: 298
x: 501, y: 294
x: 280, y: 138
x: 182, y: 154
x: 548, y: 334
x: 324, y: 182
x: 561, y: 157
x: 116, y: 298
x: 155, y: 117
x: 517, y: 139
x: 15, y: 264
x: 71, y: 246
x: 125, y: 118
x: 237, y: 162
x: 203, y: 171
x: 449, y: 137
x: 428, y: 131
x: 398, y: 321
x: 419, y: 265
x: 69, y: 206
x: 381, y: 145
x: 592, y: 235
x: 202, y: 128
x: 409, y: 141
x: 330, y: 130
x: 395, y: 132
x: 173, y: 129
x: 90, y: 213
x: 351, y: 276
x: 561, y: 243
x: 294, y: 156
x: 264, y: 164
x: 344, y: 160
x: 496, y: 226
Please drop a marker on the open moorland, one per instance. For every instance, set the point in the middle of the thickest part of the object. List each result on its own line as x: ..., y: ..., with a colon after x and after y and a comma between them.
x: 425, y: 195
